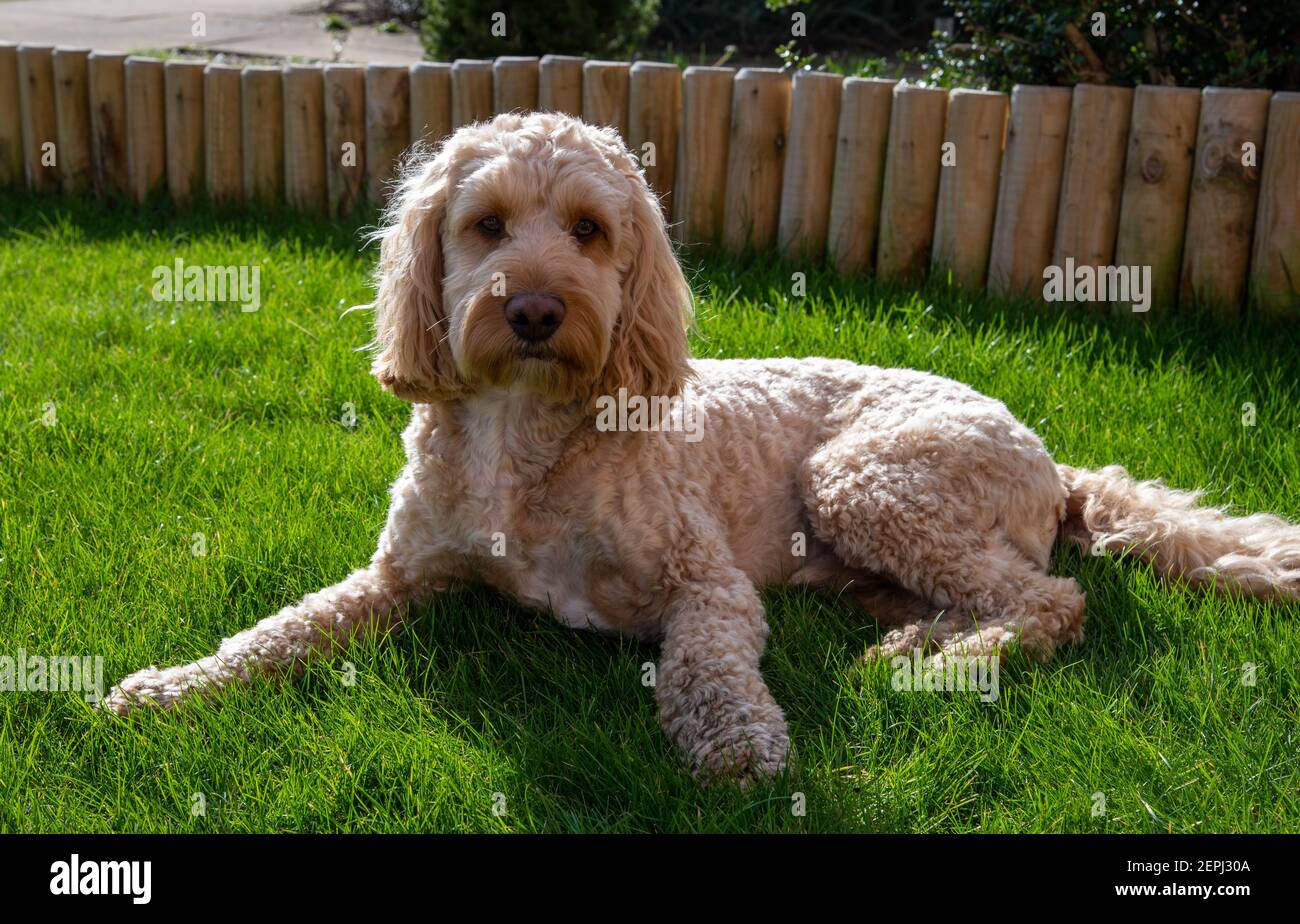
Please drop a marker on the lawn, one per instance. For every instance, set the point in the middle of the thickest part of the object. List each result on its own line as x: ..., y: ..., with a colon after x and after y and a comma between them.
x: 135, y: 432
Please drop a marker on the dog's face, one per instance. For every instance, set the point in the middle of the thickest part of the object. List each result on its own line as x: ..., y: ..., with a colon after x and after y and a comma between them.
x: 529, y: 254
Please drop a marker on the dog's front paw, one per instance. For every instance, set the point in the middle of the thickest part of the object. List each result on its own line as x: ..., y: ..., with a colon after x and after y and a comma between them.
x: 149, y: 687
x: 742, y: 754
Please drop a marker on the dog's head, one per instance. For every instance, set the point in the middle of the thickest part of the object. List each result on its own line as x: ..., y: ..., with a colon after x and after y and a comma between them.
x: 529, y: 253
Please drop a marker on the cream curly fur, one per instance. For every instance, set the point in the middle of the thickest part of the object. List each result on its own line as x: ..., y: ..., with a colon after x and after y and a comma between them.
x: 933, y: 505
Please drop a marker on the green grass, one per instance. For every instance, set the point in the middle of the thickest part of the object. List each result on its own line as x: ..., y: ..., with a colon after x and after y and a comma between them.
x: 175, y: 419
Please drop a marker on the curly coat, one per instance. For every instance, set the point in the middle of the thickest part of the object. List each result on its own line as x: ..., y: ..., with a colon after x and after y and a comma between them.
x: 930, y: 503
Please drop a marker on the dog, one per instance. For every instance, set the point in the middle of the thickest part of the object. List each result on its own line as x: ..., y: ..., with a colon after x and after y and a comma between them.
x: 526, y: 275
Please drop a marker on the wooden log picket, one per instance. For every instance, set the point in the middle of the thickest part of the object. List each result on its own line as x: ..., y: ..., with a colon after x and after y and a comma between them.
x: 700, y: 187
x: 605, y: 86
x: 1225, y: 188
x: 345, y: 136
x: 809, y: 165
x: 388, y: 127
x: 760, y: 119
x: 40, y: 126
x: 1275, y: 262
x: 430, y: 102
x: 146, y: 137
x: 514, y: 84
x: 654, y: 118
x: 471, y: 92
x: 11, y: 122
x: 1030, y: 186
x: 262, y: 130
x: 1087, y: 213
x: 1157, y: 177
x: 106, y: 88
x: 223, y: 145
x: 559, y: 86
x: 72, y: 109
x: 911, y: 187
x: 968, y: 185
x: 305, y: 187
x: 861, y: 144
x: 183, y: 119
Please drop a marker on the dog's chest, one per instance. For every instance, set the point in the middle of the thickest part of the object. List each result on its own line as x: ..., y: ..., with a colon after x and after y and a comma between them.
x: 518, y: 542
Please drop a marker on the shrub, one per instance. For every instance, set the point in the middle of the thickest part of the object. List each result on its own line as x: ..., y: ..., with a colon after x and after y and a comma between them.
x: 755, y: 27
x: 602, y: 28
x: 1193, y: 43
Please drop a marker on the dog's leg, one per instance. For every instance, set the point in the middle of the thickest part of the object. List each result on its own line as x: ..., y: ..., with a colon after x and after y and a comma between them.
x: 891, y: 605
x: 908, y: 509
x: 373, y: 598
x: 712, y: 700
x: 996, y: 595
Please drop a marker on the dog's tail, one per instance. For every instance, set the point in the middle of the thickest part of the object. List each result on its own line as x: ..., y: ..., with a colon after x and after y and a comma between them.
x: 1107, y: 511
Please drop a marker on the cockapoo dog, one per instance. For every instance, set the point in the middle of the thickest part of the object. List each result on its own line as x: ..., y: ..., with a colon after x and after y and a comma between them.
x: 525, y: 277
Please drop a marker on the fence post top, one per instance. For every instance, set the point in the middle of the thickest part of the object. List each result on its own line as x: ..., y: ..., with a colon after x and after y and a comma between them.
x: 516, y: 59
x: 558, y: 59
x: 1230, y: 91
x: 1165, y: 89
x: 807, y: 76
x: 1100, y: 89
x: 903, y: 87
x: 654, y: 66
x: 471, y: 64
x: 420, y: 66
x: 870, y: 81
x: 708, y: 69
x: 761, y: 73
x: 1029, y: 89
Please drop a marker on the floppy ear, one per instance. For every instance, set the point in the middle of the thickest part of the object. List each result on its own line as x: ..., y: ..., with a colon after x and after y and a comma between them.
x: 649, y: 354
x: 414, y: 358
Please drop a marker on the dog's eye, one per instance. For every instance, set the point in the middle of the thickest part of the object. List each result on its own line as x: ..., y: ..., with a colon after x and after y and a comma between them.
x: 491, y: 226
x: 585, y: 229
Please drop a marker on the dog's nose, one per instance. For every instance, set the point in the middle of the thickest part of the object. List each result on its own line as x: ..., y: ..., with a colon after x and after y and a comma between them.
x: 534, y: 317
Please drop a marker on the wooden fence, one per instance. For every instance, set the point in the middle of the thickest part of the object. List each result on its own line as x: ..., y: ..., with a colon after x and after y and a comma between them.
x: 1202, y: 186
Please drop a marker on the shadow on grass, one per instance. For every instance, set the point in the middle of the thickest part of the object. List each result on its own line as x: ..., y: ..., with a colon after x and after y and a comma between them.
x: 568, y: 711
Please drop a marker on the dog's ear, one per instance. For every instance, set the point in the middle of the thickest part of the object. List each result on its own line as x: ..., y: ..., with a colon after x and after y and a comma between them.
x: 649, y: 354
x: 413, y: 358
